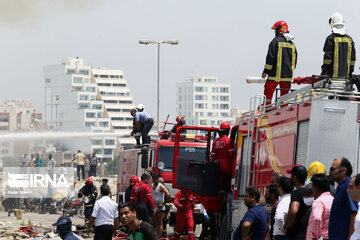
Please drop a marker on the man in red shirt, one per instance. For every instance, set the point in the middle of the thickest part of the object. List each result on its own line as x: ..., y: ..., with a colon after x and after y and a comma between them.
x: 184, y: 202
x: 223, y: 152
x: 141, y: 196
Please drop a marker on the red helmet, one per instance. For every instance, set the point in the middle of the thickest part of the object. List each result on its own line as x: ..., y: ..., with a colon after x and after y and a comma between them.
x: 179, y: 118
x: 280, y: 26
x: 89, y: 180
x: 225, y: 125
x: 134, y: 180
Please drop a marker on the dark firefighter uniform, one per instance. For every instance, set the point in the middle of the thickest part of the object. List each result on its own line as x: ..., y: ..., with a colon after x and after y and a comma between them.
x: 89, y: 191
x: 339, y: 56
x: 179, y: 124
x: 141, y: 196
x: 223, y: 152
x: 280, y: 64
x: 184, y: 213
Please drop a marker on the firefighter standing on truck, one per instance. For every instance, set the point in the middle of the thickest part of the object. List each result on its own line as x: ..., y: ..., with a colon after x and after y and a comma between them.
x: 184, y: 202
x: 223, y: 152
x: 89, y: 192
x: 339, y: 51
x: 280, y: 61
x: 180, y: 121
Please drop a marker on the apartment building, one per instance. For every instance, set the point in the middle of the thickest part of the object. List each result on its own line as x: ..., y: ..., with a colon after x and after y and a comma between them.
x: 204, y: 101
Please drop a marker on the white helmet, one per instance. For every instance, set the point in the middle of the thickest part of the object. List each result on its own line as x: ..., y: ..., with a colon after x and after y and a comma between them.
x: 140, y: 107
x: 337, y: 23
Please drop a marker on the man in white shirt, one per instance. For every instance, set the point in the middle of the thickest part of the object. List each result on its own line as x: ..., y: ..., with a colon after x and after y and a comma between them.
x: 285, y: 189
x: 105, y: 215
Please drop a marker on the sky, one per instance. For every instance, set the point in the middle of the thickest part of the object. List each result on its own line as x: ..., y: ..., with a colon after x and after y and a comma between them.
x: 227, y: 39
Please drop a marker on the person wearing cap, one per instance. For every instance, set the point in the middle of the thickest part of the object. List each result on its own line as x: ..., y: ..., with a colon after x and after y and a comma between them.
x: 320, y: 213
x: 339, y: 51
x: 280, y: 61
x: 89, y: 192
x: 105, y: 215
x: 63, y: 228
x: 297, y: 209
x: 142, y: 118
x: 343, y: 209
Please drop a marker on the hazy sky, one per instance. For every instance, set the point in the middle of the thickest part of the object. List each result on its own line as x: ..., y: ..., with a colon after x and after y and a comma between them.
x: 227, y: 38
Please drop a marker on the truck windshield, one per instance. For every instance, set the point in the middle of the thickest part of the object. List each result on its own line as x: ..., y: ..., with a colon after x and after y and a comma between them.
x: 166, y: 155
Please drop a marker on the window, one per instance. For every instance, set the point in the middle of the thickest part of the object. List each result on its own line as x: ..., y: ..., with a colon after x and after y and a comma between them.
x: 212, y: 122
x: 224, y: 114
x: 90, y: 115
x: 4, y: 119
x: 224, y: 98
x: 47, y: 80
x: 113, y: 110
x: 103, y: 124
x: 119, y: 85
x: 84, y: 71
x: 110, y: 101
x: 89, y: 124
x: 100, y: 115
x: 124, y: 102
x: 129, y: 119
x: 70, y: 71
x: 118, y: 118
x: 104, y: 84
x: 77, y: 89
x: 104, y: 76
x: 214, y: 89
x: 201, y: 114
x: 27, y: 111
x: 126, y: 110
x: 224, y: 106
x: 199, y: 97
x: 203, y: 122
x: 199, y: 89
x: 97, y: 106
x: 108, y: 151
x: 222, y: 89
x: 109, y: 142
x: 86, y: 80
x: 4, y: 128
x: 83, y: 106
x: 97, y: 151
x: 90, y: 89
x: 77, y: 80
x: 199, y: 105
x: 209, y: 114
x: 83, y: 97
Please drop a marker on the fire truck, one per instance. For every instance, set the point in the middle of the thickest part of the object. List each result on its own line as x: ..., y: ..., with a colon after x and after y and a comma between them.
x: 318, y: 122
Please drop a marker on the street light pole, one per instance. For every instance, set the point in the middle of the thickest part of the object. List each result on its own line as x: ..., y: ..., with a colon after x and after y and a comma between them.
x: 146, y: 42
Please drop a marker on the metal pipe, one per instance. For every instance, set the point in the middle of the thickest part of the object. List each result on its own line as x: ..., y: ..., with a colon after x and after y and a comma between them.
x: 158, y: 90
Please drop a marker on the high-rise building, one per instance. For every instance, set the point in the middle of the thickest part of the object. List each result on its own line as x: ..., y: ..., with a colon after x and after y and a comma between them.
x: 204, y: 101
x: 117, y: 100
x: 72, y: 91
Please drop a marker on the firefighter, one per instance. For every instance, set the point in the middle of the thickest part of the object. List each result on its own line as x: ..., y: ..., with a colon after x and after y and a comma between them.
x: 184, y: 202
x: 222, y: 152
x: 280, y: 61
x: 180, y: 121
x: 140, y: 107
x: 339, y: 51
x: 141, y: 196
x: 132, y: 182
x: 89, y: 192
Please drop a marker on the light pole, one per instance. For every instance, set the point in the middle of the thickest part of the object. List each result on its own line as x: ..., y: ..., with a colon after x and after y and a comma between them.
x: 146, y: 42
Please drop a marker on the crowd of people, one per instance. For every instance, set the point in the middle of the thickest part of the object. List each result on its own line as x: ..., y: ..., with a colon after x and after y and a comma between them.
x: 305, y: 206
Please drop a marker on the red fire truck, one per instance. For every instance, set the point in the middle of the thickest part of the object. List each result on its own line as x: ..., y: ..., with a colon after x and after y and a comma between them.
x: 319, y: 122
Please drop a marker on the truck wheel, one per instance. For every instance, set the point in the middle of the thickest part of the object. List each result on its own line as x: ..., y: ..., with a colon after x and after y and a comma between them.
x: 224, y: 234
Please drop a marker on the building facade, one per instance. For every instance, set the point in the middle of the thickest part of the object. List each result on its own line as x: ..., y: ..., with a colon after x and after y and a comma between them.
x: 72, y: 91
x: 113, y: 90
x: 204, y: 101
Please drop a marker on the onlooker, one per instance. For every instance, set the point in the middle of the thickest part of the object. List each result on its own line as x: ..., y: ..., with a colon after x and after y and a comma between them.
x: 141, y: 196
x: 93, y: 164
x: 253, y: 225
x: 282, y: 209
x: 343, y: 209
x: 275, y: 178
x: 64, y: 228
x: 105, y: 181
x: 319, y: 217
x: 80, y: 164
x: 138, y: 228
x: 271, y: 197
x: 293, y: 226
x: 105, y: 215
x: 159, y: 192
x: 38, y: 161
x: 51, y: 165
x: 354, y: 190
